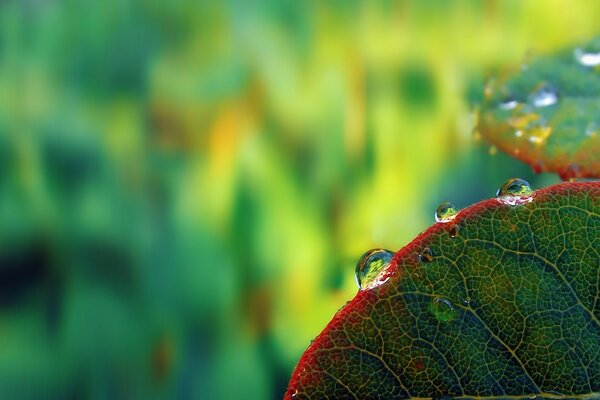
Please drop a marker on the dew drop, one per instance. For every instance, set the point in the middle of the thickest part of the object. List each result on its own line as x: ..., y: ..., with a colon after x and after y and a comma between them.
x: 426, y: 256
x: 544, y: 96
x: 570, y: 173
x: 532, y: 395
x: 445, y: 212
x: 587, y: 58
x: 443, y: 309
x: 509, y: 104
x: 467, y: 301
x: 454, y: 231
x: 515, y: 191
x: 538, y: 167
x: 370, y: 267
x: 539, y: 134
x: 591, y: 129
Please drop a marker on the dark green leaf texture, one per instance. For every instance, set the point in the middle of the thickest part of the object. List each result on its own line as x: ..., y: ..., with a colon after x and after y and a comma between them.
x: 546, y: 113
x: 508, y: 308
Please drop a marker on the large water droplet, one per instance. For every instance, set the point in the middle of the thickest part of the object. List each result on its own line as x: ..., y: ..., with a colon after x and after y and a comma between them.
x: 426, y: 255
x: 546, y: 95
x: 443, y: 309
x: 445, y: 212
x: 370, y: 267
x: 587, y: 58
x: 515, y: 191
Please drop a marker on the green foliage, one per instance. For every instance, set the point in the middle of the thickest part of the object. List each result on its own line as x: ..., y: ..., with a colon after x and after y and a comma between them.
x: 506, y: 305
x: 545, y: 112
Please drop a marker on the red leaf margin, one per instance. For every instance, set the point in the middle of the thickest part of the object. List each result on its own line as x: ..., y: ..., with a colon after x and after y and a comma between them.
x: 410, y: 253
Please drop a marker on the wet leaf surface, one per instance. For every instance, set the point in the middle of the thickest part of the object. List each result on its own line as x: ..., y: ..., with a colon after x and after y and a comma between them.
x: 545, y: 113
x: 502, y: 301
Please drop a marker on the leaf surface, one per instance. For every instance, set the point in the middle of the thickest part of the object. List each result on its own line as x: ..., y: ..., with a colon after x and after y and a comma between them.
x: 507, y: 306
x: 546, y: 113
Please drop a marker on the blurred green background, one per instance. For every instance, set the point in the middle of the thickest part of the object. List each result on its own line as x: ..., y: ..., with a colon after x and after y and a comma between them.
x: 185, y: 187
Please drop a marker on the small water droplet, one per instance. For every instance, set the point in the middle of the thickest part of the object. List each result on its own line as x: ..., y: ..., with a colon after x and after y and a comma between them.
x: 532, y: 395
x: 445, y: 212
x: 587, y: 58
x: 571, y: 173
x: 515, y: 191
x: 426, y: 256
x: 295, y: 393
x: 467, y: 301
x: 545, y: 95
x: 370, y: 267
x: 454, y: 231
x: 443, y: 309
x: 591, y: 129
x: 509, y: 104
x: 492, y: 150
x: 518, y: 133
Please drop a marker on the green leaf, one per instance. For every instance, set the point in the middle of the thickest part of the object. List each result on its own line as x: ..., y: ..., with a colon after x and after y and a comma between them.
x: 546, y: 114
x: 502, y: 300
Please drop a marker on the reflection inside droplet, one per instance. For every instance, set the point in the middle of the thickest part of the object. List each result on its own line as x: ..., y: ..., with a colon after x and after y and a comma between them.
x: 370, y: 268
x: 515, y: 191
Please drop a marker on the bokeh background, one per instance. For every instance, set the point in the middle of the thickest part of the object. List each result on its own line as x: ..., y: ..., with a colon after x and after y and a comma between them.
x: 185, y: 187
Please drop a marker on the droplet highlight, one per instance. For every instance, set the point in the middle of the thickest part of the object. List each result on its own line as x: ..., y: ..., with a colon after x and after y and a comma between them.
x: 546, y: 95
x: 515, y: 191
x: 426, y: 255
x: 454, y: 231
x: 445, y: 212
x: 370, y: 268
x: 587, y: 58
x: 442, y: 309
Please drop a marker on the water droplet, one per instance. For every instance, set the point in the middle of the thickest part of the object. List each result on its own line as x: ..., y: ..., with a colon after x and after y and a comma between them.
x: 370, y: 267
x: 445, y: 212
x: 454, y: 231
x: 571, y: 173
x: 467, y: 301
x: 539, y: 134
x: 591, y: 129
x: 509, y: 104
x: 295, y: 393
x: 538, y: 167
x: 426, y: 256
x: 587, y: 58
x: 519, y: 133
x: 532, y: 395
x: 443, y: 309
x: 515, y: 191
x: 546, y: 95
x: 492, y: 150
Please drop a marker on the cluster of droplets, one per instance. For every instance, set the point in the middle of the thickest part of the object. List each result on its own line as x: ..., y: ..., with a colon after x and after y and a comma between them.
x: 515, y: 191
x: 370, y: 268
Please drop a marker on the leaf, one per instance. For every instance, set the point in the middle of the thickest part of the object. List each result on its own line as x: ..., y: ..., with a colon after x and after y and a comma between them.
x: 546, y: 114
x: 506, y: 302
